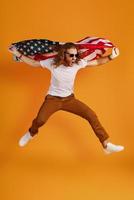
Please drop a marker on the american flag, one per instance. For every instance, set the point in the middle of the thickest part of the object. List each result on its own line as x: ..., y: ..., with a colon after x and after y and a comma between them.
x: 41, y: 49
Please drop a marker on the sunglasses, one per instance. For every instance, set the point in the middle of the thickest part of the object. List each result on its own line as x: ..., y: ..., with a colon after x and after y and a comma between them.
x: 72, y: 55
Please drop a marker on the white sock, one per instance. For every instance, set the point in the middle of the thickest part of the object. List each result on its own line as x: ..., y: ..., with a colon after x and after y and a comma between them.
x: 113, y: 148
x: 25, y: 139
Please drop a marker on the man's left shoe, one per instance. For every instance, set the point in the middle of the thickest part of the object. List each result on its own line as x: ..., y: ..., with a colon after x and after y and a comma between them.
x: 110, y: 148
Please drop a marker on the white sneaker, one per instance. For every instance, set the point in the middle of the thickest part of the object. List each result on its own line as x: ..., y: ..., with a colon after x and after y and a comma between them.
x: 112, y: 148
x: 25, y: 139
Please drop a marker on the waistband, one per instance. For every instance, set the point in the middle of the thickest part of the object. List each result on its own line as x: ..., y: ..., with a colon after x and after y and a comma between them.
x: 59, y: 97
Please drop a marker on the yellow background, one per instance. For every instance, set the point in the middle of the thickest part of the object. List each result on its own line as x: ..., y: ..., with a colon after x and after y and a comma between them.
x: 66, y: 161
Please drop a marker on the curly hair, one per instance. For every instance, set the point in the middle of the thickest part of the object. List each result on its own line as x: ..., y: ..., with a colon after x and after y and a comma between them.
x: 60, y: 57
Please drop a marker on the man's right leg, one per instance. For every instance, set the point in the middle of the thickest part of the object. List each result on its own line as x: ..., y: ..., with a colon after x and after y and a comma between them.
x: 49, y: 106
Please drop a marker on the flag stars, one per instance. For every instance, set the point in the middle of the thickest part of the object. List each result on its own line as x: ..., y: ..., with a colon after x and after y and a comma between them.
x: 32, y: 47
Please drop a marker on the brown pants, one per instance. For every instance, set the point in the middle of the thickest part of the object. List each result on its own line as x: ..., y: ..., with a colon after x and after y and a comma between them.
x: 52, y: 104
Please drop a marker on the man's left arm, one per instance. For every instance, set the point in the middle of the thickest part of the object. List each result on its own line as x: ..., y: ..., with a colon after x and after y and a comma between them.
x: 103, y: 60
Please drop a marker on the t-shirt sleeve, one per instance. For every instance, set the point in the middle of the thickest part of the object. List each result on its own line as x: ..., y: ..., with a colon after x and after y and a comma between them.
x: 83, y: 63
x: 47, y: 63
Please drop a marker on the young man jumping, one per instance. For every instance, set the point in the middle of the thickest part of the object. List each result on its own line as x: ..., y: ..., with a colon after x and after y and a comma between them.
x: 60, y: 95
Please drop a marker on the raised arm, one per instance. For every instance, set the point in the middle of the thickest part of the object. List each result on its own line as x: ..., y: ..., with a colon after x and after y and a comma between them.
x: 103, y: 60
x: 25, y: 59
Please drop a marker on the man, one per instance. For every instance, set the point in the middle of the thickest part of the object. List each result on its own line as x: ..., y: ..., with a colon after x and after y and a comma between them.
x: 60, y: 96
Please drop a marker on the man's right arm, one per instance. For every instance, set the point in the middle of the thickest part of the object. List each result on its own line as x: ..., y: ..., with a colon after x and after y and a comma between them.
x: 25, y: 59
x: 30, y: 61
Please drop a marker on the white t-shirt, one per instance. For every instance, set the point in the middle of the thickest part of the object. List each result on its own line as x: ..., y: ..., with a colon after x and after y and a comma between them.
x: 62, y: 77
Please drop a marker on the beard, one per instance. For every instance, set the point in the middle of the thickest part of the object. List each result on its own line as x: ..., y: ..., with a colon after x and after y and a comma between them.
x: 70, y: 62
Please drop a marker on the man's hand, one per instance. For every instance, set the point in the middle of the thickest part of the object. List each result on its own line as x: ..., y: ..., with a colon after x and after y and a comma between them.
x: 14, y: 51
x: 115, y: 53
x: 23, y: 58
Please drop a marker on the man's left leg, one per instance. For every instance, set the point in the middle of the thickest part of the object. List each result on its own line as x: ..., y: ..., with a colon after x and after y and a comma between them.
x: 79, y: 108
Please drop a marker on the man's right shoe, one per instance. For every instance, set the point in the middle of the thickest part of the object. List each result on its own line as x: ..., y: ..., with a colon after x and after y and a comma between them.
x: 25, y: 139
